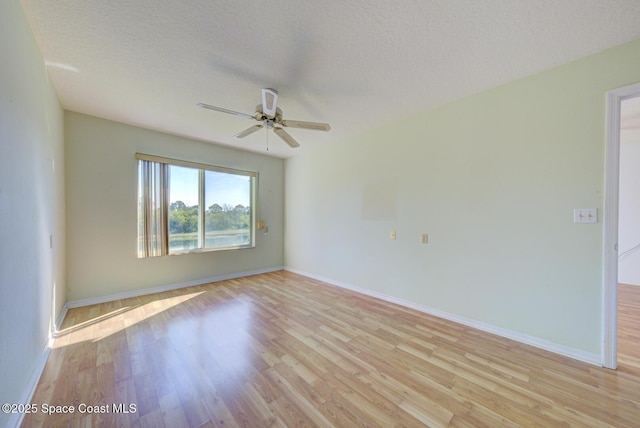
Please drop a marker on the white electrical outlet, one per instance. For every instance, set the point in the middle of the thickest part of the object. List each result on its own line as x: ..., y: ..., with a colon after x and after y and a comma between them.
x: 585, y: 215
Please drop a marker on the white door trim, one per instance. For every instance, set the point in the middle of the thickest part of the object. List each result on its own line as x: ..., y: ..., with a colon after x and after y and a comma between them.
x: 611, y: 188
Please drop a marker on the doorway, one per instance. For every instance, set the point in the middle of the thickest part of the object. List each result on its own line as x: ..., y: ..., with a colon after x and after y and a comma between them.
x: 615, y: 98
x: 629, y: 236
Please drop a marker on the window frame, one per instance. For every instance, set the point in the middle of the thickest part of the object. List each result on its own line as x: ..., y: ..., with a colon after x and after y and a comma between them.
x: 202, y: 167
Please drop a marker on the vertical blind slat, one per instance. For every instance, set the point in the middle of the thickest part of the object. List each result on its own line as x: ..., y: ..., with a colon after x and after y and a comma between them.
x: 152, y: 233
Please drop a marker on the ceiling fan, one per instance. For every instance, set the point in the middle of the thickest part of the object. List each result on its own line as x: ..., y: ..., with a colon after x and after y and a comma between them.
x: 270, y: 116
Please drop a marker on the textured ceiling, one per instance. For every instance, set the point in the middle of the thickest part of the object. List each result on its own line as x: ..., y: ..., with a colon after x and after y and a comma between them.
x: 354, y: 64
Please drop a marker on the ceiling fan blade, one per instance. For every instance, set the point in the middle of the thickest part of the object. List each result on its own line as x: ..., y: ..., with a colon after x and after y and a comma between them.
x: 248, y: 131
x: 269, y: 101
x: 306, y: 125
x: 224, y: 110
x: 286, y: 137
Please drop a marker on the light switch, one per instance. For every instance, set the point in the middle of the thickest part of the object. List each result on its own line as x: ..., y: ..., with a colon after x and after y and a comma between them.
x: 585, y: 215
x: 392, y: 235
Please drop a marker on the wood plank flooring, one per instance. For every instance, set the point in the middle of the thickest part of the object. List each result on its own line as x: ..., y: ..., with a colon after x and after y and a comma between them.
x: 629, y: 328
x: 281, y: 349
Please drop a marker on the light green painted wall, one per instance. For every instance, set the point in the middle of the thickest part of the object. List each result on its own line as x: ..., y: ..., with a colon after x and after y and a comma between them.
x: 32, y: 278
x: 493, y: 179
x: 101, y: 177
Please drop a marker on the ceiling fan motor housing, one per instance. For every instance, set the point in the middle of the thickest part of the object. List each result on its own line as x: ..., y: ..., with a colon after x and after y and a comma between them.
x: 262, y: 115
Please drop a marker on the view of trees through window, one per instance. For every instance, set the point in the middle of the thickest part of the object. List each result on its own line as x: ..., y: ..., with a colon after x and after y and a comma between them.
x: 226, y: 216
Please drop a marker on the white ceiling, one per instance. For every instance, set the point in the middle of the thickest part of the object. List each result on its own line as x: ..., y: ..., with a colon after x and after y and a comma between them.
x: 355, y: 64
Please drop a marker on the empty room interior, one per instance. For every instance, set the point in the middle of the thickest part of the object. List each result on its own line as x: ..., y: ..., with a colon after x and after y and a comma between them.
x: 358, y: 213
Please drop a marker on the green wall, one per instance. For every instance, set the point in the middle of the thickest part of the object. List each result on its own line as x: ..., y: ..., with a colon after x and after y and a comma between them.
x: 32, y: 250
x: 101, y: 177
x: 493, y: 179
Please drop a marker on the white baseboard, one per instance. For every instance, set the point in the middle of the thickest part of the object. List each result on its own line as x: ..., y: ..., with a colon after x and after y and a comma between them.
x: 59, y: 320
x: 15, y: 420
x: 161, y: 288
x: 546, y: 345
x: 27, y: 394
x: 628, y: 283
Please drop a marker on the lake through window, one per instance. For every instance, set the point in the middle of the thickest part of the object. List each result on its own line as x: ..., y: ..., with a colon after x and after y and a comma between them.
x: 204, y: 207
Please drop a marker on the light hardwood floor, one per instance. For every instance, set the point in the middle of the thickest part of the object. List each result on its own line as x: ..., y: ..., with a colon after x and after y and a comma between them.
x: 629, y: 328
x: 281, y: 349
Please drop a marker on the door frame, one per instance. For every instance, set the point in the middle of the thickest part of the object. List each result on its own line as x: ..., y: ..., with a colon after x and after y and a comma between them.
x: 610, y: 238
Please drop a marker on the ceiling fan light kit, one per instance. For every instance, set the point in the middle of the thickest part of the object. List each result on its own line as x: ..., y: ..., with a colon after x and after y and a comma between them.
x: 270, y: 117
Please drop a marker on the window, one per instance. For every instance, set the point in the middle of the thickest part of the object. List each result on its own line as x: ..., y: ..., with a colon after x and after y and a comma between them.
x: 189, y: 207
